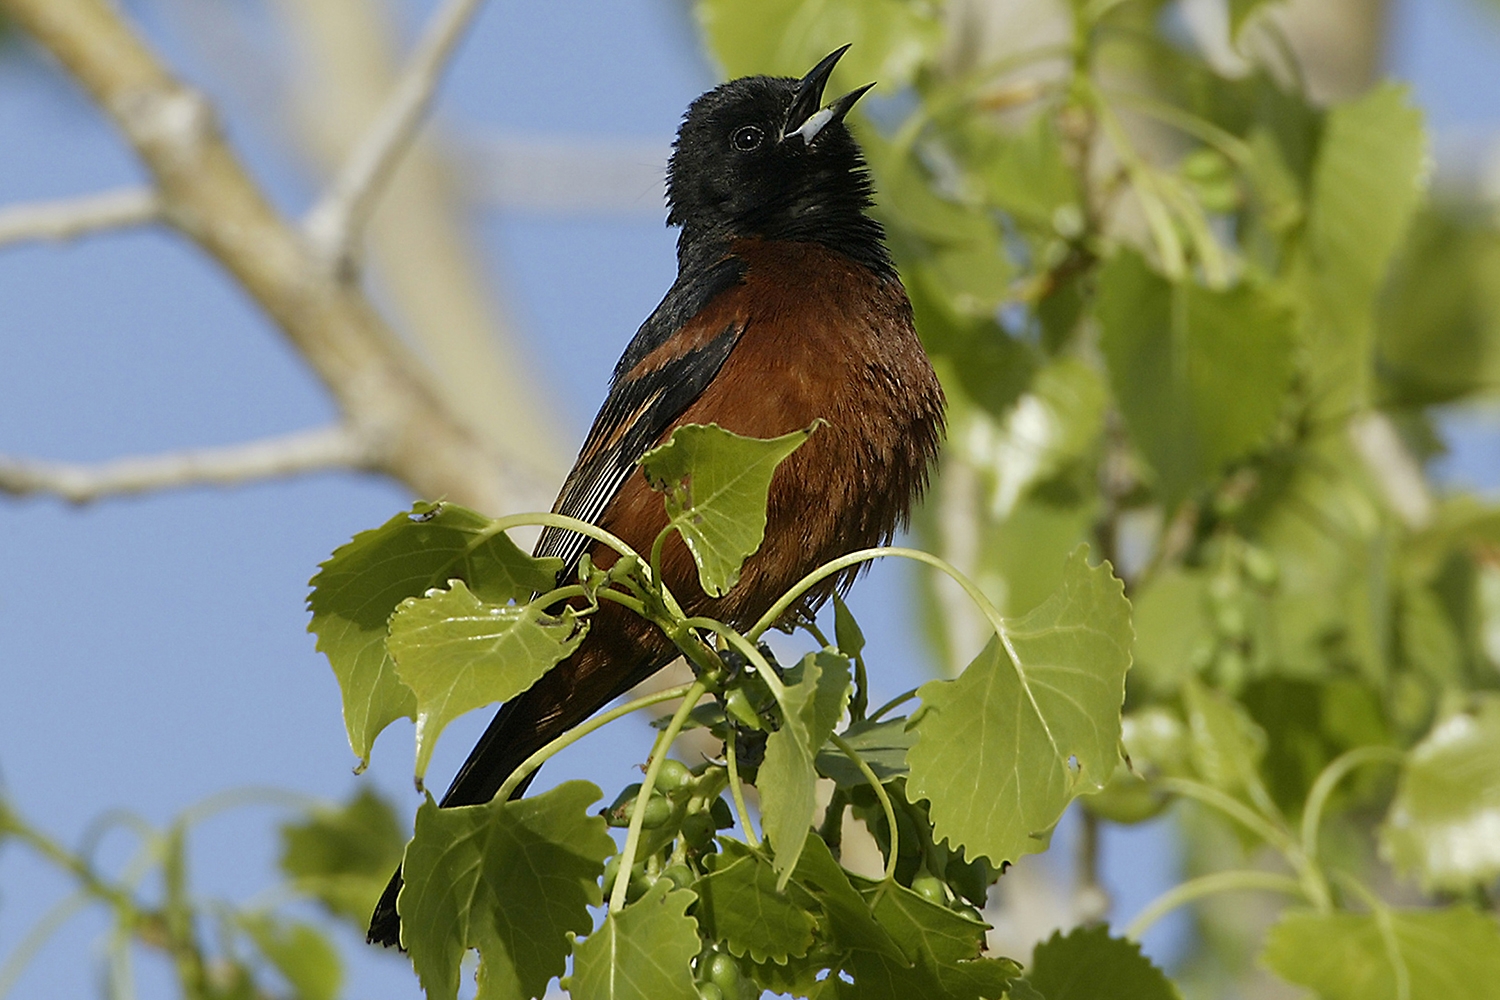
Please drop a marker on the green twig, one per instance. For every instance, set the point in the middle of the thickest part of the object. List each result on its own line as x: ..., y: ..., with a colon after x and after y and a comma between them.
x: 638, y: 814
x: 52, y: 921
x: 896, y: 702
x: 1328, y: 779
x: 1387, y: 927
x: 1311, y: 879
x: 581, y: 730
x: 885, y: 801
x: 737, y: 793
x: 1210, y: 885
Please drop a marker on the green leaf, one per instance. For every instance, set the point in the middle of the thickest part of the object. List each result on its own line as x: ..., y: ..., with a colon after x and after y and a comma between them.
x: 1033, y: 722
x: 356, y: 590
x: 1369, y: 178
x: 716, y: 484
x: 457, y: 653
x: 741, y: 906
x: 942, y: 952
x: 889, y: 38
x: 344, y: 856
x: 1087, y: 964
x: 1438, y: 319
x: 306, y: 959
x: 846, y: 632
x: 1029, y: 176
x: 882, y: 745
x: 1448, y: 954
x: 644, y: 952
x: 1201, y: 376
x: 1225, y: 744
x: 817, y: 689
x: 851, y: 923
x: 1444, y: 824
x: 509, y: 878
x: 1173, y: 634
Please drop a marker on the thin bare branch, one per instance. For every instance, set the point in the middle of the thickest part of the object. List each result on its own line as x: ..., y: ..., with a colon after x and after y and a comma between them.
x: 339, y: 447
x: 69, y: 218
x: 377, y: 382
x: 335, y: 223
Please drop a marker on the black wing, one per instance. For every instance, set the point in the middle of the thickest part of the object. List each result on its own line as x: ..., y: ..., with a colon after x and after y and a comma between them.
x: 639, y: 409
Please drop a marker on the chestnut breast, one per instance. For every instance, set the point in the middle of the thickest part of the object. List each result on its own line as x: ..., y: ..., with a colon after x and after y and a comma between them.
x: 823, y: 337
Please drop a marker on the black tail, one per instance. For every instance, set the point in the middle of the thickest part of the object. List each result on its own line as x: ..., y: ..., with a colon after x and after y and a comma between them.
x: 497, y: 754
x: 558, y: 702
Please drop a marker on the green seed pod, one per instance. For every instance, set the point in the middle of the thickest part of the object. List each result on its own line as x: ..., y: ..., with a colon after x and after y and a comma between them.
x: 724, y: 972
x: 681, y: 876
x: 617, y: 813
x: 658, y: 811
x: 930, y: 888
x: 673, y: 778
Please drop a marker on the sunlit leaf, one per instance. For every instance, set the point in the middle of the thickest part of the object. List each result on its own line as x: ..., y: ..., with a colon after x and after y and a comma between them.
x: 511, y: 879
x: 817, y: 690
x: 851, y: 923
x: 1450, y: 954
x: 740, y: 905
x: 344, y: 856
x: 1201, y: 376
x: 457, y: 653
x: 716, y: 484
x: 356, y: 590
x: 1032, y: 723
x: 641, y: 953
x: 942, y: 951
x: 1444, y: 824
x: 1088, y: 964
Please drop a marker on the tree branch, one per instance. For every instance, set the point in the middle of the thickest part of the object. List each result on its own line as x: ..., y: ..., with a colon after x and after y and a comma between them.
x: 68, y: 218
x: 335, y: 223
x: 339, y: 447
x: 204, y: 191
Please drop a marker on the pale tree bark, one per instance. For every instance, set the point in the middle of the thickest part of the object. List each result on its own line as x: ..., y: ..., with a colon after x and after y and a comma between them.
x: 397, y: 418
x: 420, y: 249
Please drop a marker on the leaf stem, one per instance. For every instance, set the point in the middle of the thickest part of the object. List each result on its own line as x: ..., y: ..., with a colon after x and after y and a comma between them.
x: 31, y: 945
x: 885, y: 801
x: 1210, y: 885
x: 584, y: 528
x: 1328, y: 779
x: 747, y: 649
x: 638, y: 814
x: 737, y: 792
x: 896, y: 702
x: 1314, y: 888
x: 581, y: 730
x: 1387, y: 927
x: 842, y: 563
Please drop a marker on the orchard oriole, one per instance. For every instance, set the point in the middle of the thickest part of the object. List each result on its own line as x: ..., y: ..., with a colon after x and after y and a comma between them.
x: 786, y: 309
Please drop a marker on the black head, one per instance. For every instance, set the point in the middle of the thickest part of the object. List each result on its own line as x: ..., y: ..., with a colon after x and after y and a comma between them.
x: 763, y: 157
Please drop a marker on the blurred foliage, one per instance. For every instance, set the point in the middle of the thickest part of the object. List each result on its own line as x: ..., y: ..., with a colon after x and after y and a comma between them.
x: 1169, y: 306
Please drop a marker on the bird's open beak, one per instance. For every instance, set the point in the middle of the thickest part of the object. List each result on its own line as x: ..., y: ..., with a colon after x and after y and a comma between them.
x: 807, y: 116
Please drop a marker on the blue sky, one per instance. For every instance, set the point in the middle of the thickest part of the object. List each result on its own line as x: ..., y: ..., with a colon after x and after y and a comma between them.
x: 152, y: 651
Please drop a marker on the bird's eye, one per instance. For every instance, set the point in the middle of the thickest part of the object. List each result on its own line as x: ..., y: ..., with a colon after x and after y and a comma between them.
x: 746, y: 138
